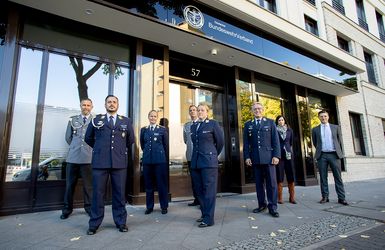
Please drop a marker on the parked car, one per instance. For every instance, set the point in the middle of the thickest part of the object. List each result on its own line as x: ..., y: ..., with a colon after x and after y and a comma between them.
x: 52, y: 168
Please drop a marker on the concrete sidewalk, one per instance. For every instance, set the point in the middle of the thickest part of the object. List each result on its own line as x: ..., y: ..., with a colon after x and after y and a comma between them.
x: 307, y: 225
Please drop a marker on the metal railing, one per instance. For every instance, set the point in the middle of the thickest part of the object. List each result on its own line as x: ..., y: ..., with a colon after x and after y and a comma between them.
x: 363, y: 24
x: 312, y: 2
x: 337, y: 5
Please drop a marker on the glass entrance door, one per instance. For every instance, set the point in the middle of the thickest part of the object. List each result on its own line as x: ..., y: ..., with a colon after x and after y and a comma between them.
x: 181, y: 97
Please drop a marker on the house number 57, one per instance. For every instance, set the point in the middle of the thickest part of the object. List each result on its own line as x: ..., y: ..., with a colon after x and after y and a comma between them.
x: 195, y: 72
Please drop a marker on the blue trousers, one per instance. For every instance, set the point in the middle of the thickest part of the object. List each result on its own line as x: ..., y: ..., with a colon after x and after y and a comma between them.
x: 330, y: 159
x: 159, y: 172
x: 265, y: 177
x: 118, y: 182
x: 205, y: 181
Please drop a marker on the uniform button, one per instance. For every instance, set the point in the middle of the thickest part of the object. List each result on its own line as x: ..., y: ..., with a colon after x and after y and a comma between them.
x: 112, y: 142
x: 82, y: 145
x: 113, y: 130
x: 259, y: 137
x: 112, y: 136
x: 259, y: 146
x: 112, y: 147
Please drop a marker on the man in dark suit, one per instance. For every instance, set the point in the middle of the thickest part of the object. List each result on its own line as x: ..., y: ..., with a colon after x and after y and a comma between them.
x: 208, y: 141
x: 192, y: 110
x: 327, y: 141
x: 78, y: 159
x: 261, y: 150
x: 154, y: 143
x: 111, y: 137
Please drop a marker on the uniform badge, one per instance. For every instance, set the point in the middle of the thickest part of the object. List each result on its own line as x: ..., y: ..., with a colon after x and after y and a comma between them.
x: 123, y: 134
x: 155, y: 139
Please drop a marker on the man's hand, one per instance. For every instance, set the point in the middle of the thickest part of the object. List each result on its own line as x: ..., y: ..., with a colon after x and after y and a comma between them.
x: 248, y: 162
x: 275, y: 161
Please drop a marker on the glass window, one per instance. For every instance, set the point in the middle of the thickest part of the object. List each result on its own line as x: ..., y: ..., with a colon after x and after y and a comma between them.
x: 24, y: 116
x: 63, y: 94
x: 370, y: 68
x: 383, y: 126
x: 343, y: 44
x: 311, y: 25
x: 339, y: 6
x: 121, y: 90
x: 312, y: 2
x: 361, y: 15
x: 380, y: 24
x: 357, y: 135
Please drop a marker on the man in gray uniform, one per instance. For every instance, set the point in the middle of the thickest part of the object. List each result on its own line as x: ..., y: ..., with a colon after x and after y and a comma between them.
x: 78, y: 159
x: 189, y: 146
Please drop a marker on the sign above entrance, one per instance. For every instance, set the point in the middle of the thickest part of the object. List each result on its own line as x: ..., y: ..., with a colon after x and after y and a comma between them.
x: 219, y: 27
x: 193, y: 16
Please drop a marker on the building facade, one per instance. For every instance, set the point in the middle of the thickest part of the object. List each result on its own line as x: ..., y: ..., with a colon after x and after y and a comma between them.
x: 296, y: 57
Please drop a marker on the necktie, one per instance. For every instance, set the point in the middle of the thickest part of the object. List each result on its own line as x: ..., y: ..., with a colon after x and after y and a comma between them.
x: 152, y: 128
x: 111, y: 121
x: 258, y: 123
x: 84, y: 120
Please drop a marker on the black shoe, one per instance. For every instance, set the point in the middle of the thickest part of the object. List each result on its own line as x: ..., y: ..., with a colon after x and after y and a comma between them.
x: 123, y: 228
x: 164, y: 211
x: 259, y: 209
x: 64, y: 216
x: 148, y: 211
x: 91, y: 231
x: 204, y: 225
x: 274, y: 214
x: 324, y: 200
x: 199, y: 220
x: 343, y: 202
x: 193, y: 204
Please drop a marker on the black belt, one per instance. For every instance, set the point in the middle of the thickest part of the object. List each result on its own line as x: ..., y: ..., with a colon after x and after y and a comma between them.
x: 332, y: 152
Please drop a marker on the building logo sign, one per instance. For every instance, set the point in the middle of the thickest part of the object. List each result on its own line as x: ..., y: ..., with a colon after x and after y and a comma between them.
x: 193, y: 16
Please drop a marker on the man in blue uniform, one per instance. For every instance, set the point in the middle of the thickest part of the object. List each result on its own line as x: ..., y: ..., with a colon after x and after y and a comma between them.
x: 208, y: 141
x: 261, y: 150
x: 111, y: 136
x: 78, y: 159
x: 154, y: 143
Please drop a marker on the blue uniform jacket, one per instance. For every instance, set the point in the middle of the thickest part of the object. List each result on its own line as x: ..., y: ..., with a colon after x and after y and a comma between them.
x: 154, y: 145
x: 110, y: 144
x: 208, y: 142
x: 263, y: 141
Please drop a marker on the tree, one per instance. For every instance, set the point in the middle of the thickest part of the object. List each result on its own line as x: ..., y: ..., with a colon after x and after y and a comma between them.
x: 77, y: 65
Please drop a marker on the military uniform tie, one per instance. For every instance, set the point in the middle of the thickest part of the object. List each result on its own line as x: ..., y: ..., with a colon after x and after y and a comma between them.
x: 111, y: 121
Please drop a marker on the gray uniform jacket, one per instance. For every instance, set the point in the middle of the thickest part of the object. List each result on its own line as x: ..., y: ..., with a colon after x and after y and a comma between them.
x: 79, y: 151
x: 187, y: 139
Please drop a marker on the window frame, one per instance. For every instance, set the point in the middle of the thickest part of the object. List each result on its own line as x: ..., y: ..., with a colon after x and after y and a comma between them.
x: 356, y: 129
x: 311, y: 25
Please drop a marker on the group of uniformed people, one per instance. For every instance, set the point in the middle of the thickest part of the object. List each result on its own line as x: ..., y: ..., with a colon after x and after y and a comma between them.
x: 104, y: 142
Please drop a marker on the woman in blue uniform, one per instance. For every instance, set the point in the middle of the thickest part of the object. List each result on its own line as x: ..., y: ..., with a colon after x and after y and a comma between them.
x: 286, y: 163
x: 154, y: 143
x: 207, y: 138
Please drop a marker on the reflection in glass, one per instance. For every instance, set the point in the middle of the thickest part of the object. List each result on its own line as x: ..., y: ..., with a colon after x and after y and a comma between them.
x: 226, y: 32
x: 181, y: 97
x: 24, y: 116
x: 63, y: 93
x: 272, y: 106
x: 306, y: 136
x: 121, y: 83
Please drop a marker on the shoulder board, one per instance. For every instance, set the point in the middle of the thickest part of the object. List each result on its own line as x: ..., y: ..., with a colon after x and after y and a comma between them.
x: 160, y: 126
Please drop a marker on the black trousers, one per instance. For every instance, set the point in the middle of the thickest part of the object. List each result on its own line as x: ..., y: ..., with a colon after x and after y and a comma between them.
x: 73, y: 173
